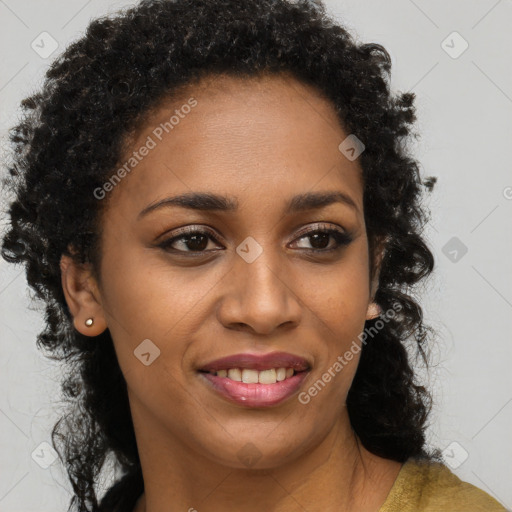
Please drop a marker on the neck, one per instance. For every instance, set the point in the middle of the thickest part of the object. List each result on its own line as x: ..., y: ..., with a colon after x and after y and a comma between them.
x: 338, y: 474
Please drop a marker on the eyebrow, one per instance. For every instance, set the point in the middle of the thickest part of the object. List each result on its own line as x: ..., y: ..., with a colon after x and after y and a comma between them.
x: 205, y: 201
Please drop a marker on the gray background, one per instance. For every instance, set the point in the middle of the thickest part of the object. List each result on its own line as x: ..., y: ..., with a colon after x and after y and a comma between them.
x: 464, y: 106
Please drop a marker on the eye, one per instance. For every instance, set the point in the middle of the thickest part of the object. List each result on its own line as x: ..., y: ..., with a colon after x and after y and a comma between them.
x: 320, y: 236
x: 193, y: 239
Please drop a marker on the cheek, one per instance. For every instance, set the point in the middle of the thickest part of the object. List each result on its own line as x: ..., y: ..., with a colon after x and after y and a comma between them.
x: 146, y: 297
x: 338, y: 293
x: 337, y: 298
x: 339, y: 313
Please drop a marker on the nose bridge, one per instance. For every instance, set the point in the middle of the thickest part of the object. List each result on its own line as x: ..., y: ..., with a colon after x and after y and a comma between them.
x: 259, y: 294
x: 258, y: 270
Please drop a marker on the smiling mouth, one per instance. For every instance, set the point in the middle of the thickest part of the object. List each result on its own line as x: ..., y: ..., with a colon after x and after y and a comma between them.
x: 252, y: 388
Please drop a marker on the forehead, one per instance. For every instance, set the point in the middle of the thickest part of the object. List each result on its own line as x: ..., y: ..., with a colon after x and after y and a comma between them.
x: 270, y: 136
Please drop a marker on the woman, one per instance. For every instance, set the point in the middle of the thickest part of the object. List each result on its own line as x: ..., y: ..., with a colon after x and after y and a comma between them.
x: 214, y: 201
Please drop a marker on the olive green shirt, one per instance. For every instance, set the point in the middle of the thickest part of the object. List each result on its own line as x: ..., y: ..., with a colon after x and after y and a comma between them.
x: 432, y: 487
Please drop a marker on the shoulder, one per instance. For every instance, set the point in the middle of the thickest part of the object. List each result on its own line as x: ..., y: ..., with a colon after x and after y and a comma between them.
x: 426, y: 486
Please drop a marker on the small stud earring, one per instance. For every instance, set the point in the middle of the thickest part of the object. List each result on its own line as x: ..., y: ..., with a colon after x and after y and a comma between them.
x: 89, y: 322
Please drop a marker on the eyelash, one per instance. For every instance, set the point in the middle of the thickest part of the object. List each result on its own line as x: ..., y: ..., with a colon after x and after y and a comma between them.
x: 342, y: 239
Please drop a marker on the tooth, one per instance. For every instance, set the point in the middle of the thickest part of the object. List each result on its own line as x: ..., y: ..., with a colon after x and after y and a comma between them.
x: 222, y: 373
x: 235, y: 374
x: 267, y: 376
x: 289, y: 372
x: 249, y: 376
x: 281, y: 374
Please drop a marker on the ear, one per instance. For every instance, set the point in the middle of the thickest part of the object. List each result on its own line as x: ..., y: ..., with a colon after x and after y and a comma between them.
x: 374, y: 310
x: 82, y: 296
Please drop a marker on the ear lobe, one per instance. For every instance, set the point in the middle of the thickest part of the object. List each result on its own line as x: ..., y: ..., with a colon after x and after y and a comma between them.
x: 374, y: 310
x: 82, y: 296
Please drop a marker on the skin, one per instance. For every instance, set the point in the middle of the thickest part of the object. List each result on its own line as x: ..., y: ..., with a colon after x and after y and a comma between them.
x: 262, y: 141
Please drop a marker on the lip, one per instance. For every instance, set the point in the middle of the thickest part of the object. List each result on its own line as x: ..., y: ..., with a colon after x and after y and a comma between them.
x: 258, y: 362
x: 254, y: 395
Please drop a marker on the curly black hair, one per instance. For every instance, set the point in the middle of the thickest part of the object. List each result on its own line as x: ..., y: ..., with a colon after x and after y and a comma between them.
x: 71, y: 137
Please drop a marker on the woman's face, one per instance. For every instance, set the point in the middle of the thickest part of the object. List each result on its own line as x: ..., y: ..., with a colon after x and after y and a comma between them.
x: 248, y: 283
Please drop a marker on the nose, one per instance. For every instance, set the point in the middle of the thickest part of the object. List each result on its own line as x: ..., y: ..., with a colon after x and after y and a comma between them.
x: 259, y: 297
